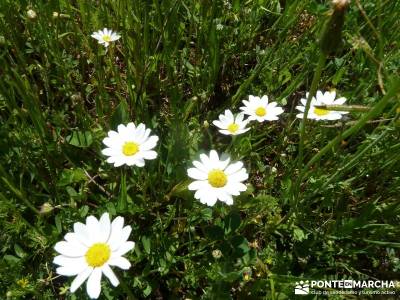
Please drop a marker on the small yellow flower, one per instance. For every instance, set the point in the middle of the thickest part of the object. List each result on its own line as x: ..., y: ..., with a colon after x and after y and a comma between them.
x: 23, y: 282
x: 247, y: 273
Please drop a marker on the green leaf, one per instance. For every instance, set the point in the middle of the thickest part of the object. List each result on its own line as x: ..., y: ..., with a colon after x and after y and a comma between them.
x: 11, y: 259
x: 231, y: 222
x: 111, y: 208
x: 83, y: 211
x: 215, y: 232
x: 240, y: 245
x: 71, y: 176
x: 82, y: 139
x: 120, y: 115
x: 58, y: 223
x: 146, y: 244
x: 147, y: 290
x: 19, y: 251
x: 236, y: 5
x: 299, y: 235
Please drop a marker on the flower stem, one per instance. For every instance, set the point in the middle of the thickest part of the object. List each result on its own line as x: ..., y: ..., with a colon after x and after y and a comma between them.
x: 122, y: 199
x: 313, y: 90
x: 126, y: 289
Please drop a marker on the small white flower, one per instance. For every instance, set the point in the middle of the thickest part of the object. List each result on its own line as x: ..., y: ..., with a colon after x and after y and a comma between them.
x: 216, y: 179
x: 105, y: 36
x: 131, y: 145
x: 91, y: 249
x: 229, y: 125
x: 322, y: 114
x: 31, y: 14
x: 259, y: 109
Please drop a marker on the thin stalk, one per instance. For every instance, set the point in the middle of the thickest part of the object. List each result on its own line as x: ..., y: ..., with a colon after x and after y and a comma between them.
x: 231, y: 144
x: 313, y: 90
x: 122, y: 199
x: 350, y: 108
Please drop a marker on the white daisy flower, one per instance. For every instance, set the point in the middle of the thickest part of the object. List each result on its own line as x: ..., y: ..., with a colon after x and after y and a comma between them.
x: 229, y: 125
x: 328, y: 98
x: 105, y: 36
x: 131, y: 145
x: 91, y: 249
x: 259, y: 109
x: 216, y: 179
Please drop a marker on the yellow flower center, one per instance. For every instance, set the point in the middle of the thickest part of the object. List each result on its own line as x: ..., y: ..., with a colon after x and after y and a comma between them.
x: 261, y: 111
x: 106, y: 38
x: 217, y: 178
x: 321, y: 111
x: 233, y: 128
x: 130, y: 148
x: 98, y: 255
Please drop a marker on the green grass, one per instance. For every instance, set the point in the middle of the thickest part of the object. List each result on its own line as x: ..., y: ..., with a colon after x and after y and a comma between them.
x: 330, y: 213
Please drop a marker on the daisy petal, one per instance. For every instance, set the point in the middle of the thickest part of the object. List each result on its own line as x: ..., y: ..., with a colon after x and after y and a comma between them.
x: 70, y: 249
x: 124, y: 248
x: 105, y: 227
x: 116, y: 233
x: 77, y: 282
x: 120, y: 262
x: 93, y: 286
x: 197, y: 174
x: 110, y: 275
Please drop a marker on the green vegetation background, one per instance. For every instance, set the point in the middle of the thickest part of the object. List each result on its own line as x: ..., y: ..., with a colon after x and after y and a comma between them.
x: 177, y: 66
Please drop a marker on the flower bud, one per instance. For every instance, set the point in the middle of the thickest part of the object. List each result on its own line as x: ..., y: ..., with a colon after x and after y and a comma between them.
x: 31, y: 14
x: 217, y: 253
x: 46, y: 208
x: 332, y: 33
x: 340, y: 4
